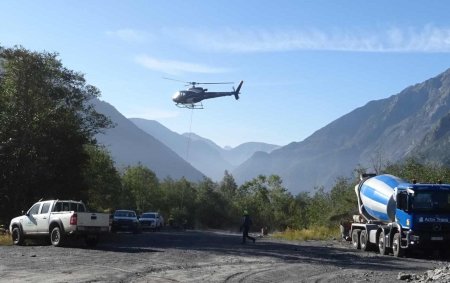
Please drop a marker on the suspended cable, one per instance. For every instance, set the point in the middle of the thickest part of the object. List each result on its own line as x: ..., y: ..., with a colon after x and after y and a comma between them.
x: 189, y: 137
x: 187, y: 157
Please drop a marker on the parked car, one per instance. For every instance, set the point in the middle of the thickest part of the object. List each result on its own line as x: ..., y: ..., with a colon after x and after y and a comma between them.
x: 151, y: 221
x: 58, y: 220
x: 125, y: 220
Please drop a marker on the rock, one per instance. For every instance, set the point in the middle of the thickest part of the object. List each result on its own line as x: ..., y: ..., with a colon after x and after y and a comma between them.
x: 403, y: 276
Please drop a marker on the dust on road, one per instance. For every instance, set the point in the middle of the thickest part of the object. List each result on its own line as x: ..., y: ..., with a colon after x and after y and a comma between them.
x: 198, y: 256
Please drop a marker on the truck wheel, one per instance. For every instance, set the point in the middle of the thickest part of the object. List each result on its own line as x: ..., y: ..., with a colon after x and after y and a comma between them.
x: 382, y: 244
x: 17, y: 236
x: 91, y: 241
x: 364, y: 241
x: 355, y: 239
x: 397, y: 249
x: 57, y: 237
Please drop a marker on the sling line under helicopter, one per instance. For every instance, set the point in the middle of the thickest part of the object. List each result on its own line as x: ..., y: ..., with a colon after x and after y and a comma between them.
x: 188, y: 147
x: 189, y: 136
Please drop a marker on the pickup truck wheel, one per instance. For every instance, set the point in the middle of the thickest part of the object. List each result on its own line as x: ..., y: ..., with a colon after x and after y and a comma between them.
x: 397, y: 249
x: 382, y: 244
x: 56, y: 237
x: 355, y: 239
x: 17, y: 236
x: 91, y: 241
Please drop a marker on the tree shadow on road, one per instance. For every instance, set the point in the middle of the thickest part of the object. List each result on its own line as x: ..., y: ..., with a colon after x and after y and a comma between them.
x: 312, y: 252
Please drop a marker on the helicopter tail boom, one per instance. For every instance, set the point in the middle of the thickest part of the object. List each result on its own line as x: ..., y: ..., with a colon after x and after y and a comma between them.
x: 236, y: 93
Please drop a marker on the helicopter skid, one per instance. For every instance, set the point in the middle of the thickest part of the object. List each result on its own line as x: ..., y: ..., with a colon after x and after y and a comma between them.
x: 190, y: 106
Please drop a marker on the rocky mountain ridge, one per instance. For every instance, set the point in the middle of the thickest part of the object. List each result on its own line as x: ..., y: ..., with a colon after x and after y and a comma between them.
x: 388, y: 129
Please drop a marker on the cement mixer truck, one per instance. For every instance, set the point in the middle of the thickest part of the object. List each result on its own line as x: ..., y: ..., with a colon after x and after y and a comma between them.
x: 398, y: 216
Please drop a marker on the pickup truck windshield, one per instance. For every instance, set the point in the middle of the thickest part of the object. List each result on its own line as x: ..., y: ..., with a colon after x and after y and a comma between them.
x: 432, y: 201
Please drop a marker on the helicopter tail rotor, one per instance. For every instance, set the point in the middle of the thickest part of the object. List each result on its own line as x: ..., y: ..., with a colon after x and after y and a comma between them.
x: 236, y: 92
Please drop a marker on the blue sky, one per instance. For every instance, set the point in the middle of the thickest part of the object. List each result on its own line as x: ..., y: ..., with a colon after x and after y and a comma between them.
x: 304, y: 63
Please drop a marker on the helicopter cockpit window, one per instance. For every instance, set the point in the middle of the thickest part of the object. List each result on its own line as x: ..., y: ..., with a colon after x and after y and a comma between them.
x: 178, y: 94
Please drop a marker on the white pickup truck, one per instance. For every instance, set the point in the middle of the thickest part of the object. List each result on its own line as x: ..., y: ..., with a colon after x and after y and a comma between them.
x: 59, y: 219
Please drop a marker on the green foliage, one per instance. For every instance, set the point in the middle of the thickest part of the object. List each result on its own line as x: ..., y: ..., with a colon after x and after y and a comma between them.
x: 343, y: 200
x: 315, y: 233
x: 269, y: 203
x: 178, y: 201
x: 141, y: 183
x: 327, y: 209
x: 45, y: 121
x: 211, y: 209
x: 411, y: 169
x: 102, y: 180
x: 232, y: 214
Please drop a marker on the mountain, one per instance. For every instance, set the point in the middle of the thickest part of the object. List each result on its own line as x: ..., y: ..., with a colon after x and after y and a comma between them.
x: 195, y: 137
x: 388, y: 129
x: 435, y: 146
x: 242, y: 152
x: 202, y: 153
x: 130, y: 145
x: 236, y: 156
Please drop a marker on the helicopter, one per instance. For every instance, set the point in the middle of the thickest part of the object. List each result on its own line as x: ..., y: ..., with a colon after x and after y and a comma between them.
x: 192, y: 97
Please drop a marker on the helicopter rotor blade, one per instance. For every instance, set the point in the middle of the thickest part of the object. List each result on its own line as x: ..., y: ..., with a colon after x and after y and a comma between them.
x: 221, y: 83
x: 175, y: 80
x: 197, y: 83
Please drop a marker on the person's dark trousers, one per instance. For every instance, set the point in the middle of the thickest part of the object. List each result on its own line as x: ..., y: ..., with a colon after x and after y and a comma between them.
x: 245, y: 235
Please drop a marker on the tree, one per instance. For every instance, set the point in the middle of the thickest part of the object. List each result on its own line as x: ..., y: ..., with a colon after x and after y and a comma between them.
x: 143, y: 184
x: 102, y: 180
x: 319, y: 208
x: 228, y: 186
x: 270, y: 204
x: 282, y: 204
x: 412, y: 169
x: 179, y: 201
x: 228, y: 189
x: 344, y: 203
x: 212, y: 208
x: 45, y: 121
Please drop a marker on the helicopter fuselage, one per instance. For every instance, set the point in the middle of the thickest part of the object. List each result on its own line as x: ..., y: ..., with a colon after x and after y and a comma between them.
x: 188, y: 98
x: 195, y: 95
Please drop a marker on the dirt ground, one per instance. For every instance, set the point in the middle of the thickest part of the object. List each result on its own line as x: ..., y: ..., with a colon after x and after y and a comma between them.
x: 196, y: 256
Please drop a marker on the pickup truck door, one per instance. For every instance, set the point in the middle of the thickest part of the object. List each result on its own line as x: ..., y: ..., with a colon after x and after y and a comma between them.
x: 29, y: 222
x: 43, y: 217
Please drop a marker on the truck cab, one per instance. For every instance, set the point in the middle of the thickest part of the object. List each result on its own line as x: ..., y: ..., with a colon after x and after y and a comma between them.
x: 423, y: 213
x: 35, y: 220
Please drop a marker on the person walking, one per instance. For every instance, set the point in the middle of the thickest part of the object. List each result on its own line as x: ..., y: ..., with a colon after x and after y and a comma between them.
x: 245, y: 227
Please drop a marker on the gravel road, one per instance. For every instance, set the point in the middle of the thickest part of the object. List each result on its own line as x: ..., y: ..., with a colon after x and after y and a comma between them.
x: 198, y: 256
